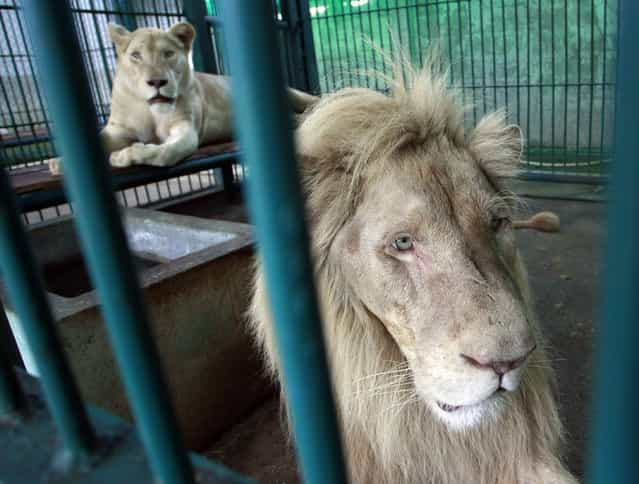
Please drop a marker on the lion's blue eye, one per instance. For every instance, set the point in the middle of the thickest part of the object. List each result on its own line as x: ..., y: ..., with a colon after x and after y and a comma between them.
x: 403, y: 242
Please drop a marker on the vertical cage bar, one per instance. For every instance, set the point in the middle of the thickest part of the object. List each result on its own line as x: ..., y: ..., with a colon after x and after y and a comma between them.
x: 203, y: 51
x: 88, y: 182
x: 277, y: 210
x: 615, y: 440
x: 26, y: 292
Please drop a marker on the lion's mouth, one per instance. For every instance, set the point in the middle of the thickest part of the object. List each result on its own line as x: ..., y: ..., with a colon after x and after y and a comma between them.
x: 453, y: 408
x: 160, y: 99
x: 448, y: 408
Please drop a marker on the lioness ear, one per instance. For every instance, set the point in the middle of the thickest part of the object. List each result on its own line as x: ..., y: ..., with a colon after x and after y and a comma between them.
x: 497, y: 146
x: 185, y: 33
x: 119, y: 36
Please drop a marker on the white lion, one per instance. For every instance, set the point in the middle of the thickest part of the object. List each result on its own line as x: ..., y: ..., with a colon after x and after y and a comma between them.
x: 161, y: 110
x: 437, y: 360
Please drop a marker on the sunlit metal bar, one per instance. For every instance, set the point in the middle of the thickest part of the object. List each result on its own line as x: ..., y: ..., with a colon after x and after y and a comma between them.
x: 88, y: 181
x: 615, y: 436
x: 26, y: 291
x: 275, y: 201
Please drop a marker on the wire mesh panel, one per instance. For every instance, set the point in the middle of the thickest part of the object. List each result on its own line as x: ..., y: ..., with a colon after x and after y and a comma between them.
x: 550, y: 63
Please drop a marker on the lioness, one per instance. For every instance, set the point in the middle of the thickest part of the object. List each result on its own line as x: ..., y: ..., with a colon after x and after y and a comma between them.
x: 161, y: 110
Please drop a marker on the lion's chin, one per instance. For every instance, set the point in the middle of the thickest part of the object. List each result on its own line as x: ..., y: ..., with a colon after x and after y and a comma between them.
x: 162, y: 108
x: 463, y: 417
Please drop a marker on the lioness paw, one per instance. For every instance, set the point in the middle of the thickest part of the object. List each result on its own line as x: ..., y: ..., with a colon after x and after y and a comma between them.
x: 55, y: 166
x: 136, y: 154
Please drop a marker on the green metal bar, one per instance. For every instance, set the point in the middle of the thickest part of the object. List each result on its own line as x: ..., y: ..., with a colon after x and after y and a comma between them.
x: 554, y: 81
x: 26, y: 291
x: 203, y: 51
x: 578, y: 123
x: 528, y: 74
x: 505, y: 47
x: 566, y: 92
x: 541, y: 77
x: 103, y: 239
x: 603, y: 80
x: 127, y: 19
x: 494, y: 50
x: 517, y: 75
x: 472, y: 60
x: 483, y: 54
x: 615, y: 438
x: 592, y: 76
x: 275, y: 201
x: 461, y: 52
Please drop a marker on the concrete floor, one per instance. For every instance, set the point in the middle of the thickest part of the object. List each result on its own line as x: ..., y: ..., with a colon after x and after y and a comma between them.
x: 564, y: 271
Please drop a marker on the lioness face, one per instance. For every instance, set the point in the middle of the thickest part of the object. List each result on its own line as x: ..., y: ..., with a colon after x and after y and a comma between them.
x: 433, y: 257
x: 153, y: 63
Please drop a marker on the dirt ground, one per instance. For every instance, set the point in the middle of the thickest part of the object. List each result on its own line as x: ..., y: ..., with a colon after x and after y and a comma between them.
x: 564, y: 272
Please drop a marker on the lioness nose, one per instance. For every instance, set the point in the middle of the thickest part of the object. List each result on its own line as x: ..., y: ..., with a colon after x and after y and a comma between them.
x: 500, y: 367
x: 157, y: 83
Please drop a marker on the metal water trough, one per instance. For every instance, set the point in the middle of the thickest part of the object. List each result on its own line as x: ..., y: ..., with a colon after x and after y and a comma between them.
x: 194, y: 275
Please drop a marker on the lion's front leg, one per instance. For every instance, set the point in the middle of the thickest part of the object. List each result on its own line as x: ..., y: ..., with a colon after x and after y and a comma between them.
x: 136, y: 154
x: 182, y: 142
x: 55, y: 166
x: 113, y: 137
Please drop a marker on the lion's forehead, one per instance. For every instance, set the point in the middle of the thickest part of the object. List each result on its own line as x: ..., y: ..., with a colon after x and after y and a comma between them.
x: 153, y: 41
x: 437, y: 194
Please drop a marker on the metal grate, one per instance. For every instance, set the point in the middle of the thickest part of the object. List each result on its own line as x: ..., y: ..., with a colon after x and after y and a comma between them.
x: 550, y: 63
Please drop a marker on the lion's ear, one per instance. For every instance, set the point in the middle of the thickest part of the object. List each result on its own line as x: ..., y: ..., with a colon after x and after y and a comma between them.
x: 185, y: 33
x: 497, y: 146
x: 119, y: 36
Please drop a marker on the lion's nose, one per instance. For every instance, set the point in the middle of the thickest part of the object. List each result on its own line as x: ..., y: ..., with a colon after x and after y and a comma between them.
x: 157, y: 83
x: 501, y: 367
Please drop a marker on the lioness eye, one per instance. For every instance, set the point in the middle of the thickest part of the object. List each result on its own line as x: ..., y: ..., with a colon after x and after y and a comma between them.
x: 498, y: 222
x: 403, y: 242
x: 136, y: 56
x: 168, y: 54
